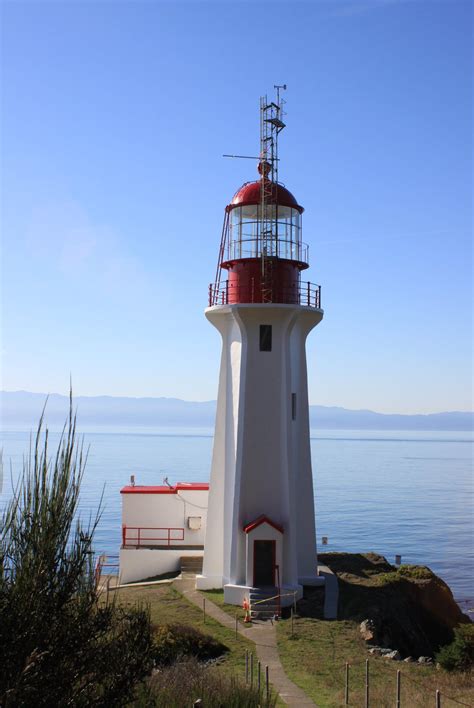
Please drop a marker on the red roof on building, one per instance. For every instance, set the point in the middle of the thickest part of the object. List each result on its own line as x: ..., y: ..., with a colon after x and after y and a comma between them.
x: 250, y: 193
x: 262, y: 520
x: 179, y: 487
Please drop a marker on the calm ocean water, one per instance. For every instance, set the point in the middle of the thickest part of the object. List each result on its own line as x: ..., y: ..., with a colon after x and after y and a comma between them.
x: 408, y: 493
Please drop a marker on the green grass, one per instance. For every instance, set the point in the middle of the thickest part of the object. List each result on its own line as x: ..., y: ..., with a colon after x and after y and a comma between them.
x: 418, y: 572
x: 217, y: 597
x: 315, y: 656
x: 167, y: 606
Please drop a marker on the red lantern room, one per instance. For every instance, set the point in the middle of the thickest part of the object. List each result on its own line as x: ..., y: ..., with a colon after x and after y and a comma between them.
x: 262, y: 251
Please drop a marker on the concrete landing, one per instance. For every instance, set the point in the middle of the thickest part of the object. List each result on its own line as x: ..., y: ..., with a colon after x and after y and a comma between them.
x: 264, y: 636
x: 331, y: 592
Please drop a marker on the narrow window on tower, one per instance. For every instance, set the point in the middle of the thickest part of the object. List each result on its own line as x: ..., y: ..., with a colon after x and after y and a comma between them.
x: 293, y: 406
x: 265, y: 338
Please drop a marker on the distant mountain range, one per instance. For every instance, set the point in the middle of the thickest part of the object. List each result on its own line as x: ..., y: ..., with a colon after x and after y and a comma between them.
x: 22, y: 409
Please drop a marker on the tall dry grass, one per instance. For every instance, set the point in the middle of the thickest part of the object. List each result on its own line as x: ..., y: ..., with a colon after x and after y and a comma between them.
x: 186, y: 681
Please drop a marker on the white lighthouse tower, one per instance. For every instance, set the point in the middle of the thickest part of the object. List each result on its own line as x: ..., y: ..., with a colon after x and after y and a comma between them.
x: 261, y: 520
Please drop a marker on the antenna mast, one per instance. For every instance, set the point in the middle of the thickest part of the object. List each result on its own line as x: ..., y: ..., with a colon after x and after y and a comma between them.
x: 271, y: 124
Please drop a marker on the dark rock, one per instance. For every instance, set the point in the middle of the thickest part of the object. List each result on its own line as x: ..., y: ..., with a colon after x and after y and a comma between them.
x: 409, y: 607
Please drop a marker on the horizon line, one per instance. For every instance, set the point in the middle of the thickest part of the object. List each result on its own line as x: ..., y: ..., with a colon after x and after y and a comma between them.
x: 213, y: 400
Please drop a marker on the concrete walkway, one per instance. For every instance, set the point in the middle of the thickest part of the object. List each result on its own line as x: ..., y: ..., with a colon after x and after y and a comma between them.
x: 331, y: 592
x: 264, y: 636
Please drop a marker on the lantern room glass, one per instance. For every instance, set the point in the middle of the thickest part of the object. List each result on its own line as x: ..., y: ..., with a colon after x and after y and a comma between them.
x: 282, y: 239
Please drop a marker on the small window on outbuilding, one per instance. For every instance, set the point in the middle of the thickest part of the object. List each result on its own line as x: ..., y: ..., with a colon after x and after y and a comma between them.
x: 265, y: 338
x: 293, y: 406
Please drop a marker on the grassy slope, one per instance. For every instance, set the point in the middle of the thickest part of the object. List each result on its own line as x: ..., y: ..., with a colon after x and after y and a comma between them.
x: 315, y: 657
x: 167, y: 606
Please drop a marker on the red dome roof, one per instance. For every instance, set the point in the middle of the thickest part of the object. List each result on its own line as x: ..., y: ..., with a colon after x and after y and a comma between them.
x: 249, y: 193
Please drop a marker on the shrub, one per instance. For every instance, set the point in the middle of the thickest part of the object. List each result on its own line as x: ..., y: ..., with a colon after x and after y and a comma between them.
x: 57, y: 645
x: 416, y: 572
x: 184, y: 682
x: 459, y: 655
x: 172, y: 641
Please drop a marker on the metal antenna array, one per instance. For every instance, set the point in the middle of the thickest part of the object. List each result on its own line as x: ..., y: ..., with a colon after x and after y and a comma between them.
x: 271, y: 124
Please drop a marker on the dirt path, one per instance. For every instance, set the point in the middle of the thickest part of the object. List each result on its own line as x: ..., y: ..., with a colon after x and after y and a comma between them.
x: 264, y: 636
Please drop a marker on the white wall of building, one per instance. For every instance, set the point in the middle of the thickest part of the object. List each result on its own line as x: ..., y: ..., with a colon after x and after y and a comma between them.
x: 141, y: 563
x: 261, y: 460
x: 165, y: 511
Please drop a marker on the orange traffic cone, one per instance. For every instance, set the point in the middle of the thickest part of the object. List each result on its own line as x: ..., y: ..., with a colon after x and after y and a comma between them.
x: 246, y: 608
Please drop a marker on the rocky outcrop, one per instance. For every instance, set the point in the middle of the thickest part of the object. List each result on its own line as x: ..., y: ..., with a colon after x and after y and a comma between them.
x: 407, y: 610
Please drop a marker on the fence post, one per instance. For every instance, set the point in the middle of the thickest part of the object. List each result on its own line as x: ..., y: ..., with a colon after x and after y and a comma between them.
x: 399, y: 678
x: 258, y: 677
x: 246, y: 666
x: 204, y: 609
x: 294, y: 601
x: 267, y: 684
x: 236, y: 626
x: 346, y: 692
x: 251, y: 669
x: 366, y: 683
x: 292, y: 623
x: 438, y: 698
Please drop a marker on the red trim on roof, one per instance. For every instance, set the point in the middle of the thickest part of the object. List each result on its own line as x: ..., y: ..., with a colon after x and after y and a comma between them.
x: 179, y: 487
x: 262, y: 520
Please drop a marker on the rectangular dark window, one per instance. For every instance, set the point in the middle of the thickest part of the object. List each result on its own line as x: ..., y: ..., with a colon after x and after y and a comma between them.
x: 265, y: 338
x: 293, y: 406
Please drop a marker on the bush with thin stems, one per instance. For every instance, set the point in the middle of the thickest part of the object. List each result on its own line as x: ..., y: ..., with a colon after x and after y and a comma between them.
x: 58, y: 646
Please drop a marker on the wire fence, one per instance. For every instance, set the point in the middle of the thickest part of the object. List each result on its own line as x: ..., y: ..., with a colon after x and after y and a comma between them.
x: 402, y: 696
x: 362, y: 685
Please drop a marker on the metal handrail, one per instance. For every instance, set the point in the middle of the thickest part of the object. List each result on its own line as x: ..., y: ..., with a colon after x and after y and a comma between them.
x: 274, y: 246
x: 138, y: 539
x: 102, y: 562
x: 277, y: 569
x: 305, y: 293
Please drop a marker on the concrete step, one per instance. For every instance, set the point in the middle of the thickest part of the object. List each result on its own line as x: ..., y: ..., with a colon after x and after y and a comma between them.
x: 260, y: 594
x: 191, y: 564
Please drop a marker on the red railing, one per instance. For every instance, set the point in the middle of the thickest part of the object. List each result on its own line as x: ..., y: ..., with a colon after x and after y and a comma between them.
x: 305, y: 293
x: 137, y: 538
x: 108, y: 562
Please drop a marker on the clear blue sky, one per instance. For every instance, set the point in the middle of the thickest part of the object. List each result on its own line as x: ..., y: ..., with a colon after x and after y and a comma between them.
x: 116, y: 115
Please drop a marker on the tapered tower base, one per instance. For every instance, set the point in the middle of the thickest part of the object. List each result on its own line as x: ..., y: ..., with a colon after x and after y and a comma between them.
x: 261, y: 520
